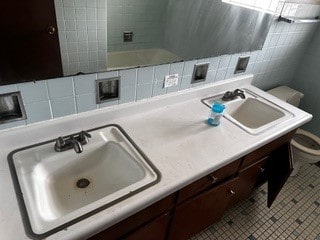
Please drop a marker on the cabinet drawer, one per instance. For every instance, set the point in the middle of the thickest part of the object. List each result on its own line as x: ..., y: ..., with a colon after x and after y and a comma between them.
x: 154, y: 230
x: 248, y: 178
x: 139, y: 219
x: 208, y: 181
x: 195, y: 214
x: 266, y: 149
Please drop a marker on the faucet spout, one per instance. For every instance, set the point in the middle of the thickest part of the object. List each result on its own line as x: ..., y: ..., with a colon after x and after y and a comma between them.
x: 76, y: 145
x: 73, y: 141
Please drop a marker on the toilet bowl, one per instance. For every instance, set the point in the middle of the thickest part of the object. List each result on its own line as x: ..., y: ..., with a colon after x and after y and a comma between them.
x: 305, y: 148
x: 305, y: 145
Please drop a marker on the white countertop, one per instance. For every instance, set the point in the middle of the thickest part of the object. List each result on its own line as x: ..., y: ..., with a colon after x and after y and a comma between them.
x: 172, y: 132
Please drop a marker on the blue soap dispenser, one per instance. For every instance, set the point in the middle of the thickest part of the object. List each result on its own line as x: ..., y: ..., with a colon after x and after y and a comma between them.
x: 215, y: 114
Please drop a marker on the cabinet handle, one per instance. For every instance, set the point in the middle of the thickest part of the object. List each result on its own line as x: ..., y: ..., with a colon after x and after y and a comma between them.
x: 51, y: 30
x: 232, y: 192
x: 213, y: 179
x: 262, y: 170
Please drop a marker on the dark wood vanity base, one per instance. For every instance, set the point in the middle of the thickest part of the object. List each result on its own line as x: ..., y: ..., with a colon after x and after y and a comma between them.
x: 203, y: 202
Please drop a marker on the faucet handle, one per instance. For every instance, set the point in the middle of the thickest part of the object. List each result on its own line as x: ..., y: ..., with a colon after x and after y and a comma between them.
x: 237, y: 91
x: 227, y: 96
x: 84, y: 137
x: 240, y: 93
x: 60, y: 143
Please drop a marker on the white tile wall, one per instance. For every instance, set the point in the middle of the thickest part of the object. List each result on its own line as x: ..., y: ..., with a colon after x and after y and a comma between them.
x: 82, y: 28
x: 277, y: 63
x: 144, y: 18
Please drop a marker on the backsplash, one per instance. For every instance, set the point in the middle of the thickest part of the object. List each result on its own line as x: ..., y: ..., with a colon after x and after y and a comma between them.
x: 275, y: 64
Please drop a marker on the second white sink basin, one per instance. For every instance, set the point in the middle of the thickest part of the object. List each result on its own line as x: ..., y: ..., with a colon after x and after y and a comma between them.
x: 253, y: 114
x: 59, y: 188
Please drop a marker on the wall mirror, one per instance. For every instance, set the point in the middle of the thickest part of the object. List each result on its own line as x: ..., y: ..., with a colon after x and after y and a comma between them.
x: 55, y: 38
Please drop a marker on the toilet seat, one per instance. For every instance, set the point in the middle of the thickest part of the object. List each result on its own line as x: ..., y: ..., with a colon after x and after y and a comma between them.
x: 305, y: 149
x: 305, y: 146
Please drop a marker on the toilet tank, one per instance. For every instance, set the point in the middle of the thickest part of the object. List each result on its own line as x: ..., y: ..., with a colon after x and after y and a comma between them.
x: 287, y: 94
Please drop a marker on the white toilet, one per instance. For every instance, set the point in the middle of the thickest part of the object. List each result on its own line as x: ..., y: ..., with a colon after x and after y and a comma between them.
x: 305, y: 145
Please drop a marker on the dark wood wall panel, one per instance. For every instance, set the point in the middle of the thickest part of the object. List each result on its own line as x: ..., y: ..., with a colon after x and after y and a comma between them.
x: 28, y: 51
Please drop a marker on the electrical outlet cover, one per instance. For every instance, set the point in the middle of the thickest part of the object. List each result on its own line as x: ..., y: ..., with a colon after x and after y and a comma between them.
x: 171, y: 80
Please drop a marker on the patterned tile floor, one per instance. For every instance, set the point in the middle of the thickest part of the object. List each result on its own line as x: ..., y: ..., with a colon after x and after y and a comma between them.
x: 294, y: 215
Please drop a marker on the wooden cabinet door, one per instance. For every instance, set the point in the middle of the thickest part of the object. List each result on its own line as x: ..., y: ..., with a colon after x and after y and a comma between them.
x: 199, y: 212
x: 267, y: 149
x: 279, y: 169
x: 209, y: 181
x: 248, y: 178
x: 137, y: 221
x: 29, y: 47
x: 154, y: 230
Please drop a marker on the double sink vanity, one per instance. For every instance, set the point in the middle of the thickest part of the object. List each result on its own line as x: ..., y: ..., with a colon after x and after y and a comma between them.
x: 152, y: 169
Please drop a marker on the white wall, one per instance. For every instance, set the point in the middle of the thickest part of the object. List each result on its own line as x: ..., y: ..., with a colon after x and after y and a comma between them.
x: 307, y: 80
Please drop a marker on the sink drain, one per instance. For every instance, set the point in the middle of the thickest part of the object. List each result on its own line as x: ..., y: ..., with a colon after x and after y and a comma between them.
x: 83, y: 183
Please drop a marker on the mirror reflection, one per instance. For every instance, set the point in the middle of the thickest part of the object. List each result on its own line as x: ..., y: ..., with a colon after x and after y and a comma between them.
x: 130, y: 31
x: 58, y: 38
x: 101, y: 35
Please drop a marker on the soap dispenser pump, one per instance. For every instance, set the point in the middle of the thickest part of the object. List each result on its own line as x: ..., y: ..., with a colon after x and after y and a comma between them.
x: 215, y: 114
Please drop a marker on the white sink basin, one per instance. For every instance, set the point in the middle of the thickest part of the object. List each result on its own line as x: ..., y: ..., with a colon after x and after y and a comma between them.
x: 60, y: 187
x: 253, y: 114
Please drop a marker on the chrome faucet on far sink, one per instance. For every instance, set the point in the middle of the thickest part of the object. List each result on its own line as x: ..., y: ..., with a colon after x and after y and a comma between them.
x: 232, y: 95
x: 75, y: 142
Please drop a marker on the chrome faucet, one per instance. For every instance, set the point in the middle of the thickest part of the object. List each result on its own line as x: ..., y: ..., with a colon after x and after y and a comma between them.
x: 83, y: 137
x: 75, y: 142
x: 77, y: 146
x: 232, y: 95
